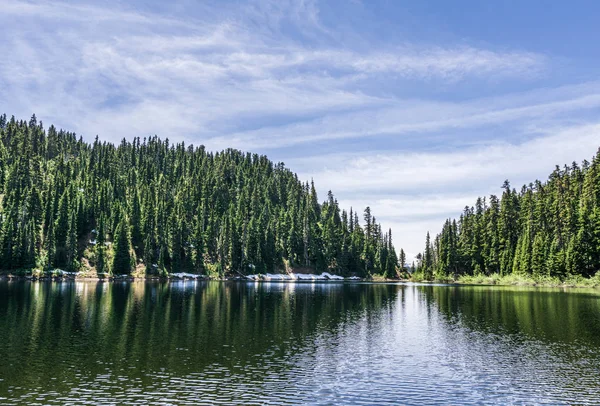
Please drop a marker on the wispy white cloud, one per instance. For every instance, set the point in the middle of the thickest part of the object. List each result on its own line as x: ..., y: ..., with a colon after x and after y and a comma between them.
x: 453, y: 64
x: 410, y: 171
x: 82, y: 13
x: 108, y: 64
x: 398, y: 118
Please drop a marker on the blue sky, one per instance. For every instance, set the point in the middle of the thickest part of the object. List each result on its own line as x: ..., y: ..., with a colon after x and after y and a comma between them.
x: 414, y: 108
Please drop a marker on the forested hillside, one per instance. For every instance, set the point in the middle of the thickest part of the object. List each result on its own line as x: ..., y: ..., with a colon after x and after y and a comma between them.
x: 548, y: 229
x: 151, y: 206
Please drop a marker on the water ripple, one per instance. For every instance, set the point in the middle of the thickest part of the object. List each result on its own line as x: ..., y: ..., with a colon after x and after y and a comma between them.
x: 254, y: 344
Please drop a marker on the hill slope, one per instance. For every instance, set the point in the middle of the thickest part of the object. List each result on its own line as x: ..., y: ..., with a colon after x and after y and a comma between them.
x: 160, y: 208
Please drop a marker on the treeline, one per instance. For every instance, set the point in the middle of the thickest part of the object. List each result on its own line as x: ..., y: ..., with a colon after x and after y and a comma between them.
x: 154, y: 207
x: 547, y: 229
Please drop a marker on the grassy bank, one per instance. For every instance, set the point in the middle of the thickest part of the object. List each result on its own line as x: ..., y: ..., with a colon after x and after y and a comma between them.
x: 520, y: 280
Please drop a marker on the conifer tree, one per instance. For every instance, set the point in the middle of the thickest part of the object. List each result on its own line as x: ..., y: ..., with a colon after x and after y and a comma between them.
x: 402, y: 260
x: 122, y: 256
x: 61, y: 232
x: 428, y: 258
x: 101, y: 264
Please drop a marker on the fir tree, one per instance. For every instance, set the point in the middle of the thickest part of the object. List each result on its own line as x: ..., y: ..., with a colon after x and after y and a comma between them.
x: 101, y: 265
x: 122, y: 256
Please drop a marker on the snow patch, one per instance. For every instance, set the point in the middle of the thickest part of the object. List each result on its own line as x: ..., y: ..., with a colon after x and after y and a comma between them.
x: 185, y: 275
x: 332, y: 277
x: 277, y: 277
x: 325, y: 276
x: 61, y: 272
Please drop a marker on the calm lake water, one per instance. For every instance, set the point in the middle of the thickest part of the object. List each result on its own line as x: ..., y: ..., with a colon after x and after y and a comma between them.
x: 328, y: 343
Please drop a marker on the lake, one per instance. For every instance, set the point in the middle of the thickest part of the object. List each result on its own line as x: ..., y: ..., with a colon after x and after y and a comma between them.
x: 285, y: 343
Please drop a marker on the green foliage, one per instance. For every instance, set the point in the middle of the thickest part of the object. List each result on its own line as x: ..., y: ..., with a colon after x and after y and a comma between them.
x: 170, y: 208
x: 101, y: 260
x: 122, y: 260
x: 547, y: 233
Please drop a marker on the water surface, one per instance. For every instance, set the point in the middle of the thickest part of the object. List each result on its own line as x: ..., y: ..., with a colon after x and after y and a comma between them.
x: 322, y: 343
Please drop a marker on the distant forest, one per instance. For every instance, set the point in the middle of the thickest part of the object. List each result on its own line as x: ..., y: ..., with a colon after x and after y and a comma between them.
x: 152, y: 207
x: 548, y: 229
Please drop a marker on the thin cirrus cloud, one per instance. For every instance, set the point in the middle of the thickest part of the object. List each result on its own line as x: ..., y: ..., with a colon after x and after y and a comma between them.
x: 423, y: 117
x: 398, y: 124
x: 406, y: 172
x: 105, y: 65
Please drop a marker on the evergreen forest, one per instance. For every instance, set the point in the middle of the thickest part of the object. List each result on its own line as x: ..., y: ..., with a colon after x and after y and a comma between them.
x: 152, y: 207
x: 547, y: 229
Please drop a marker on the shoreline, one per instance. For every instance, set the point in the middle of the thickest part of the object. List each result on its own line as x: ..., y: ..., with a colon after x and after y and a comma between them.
x: 175, y: 277
x: 524, y: 281
x: 580, y: 283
